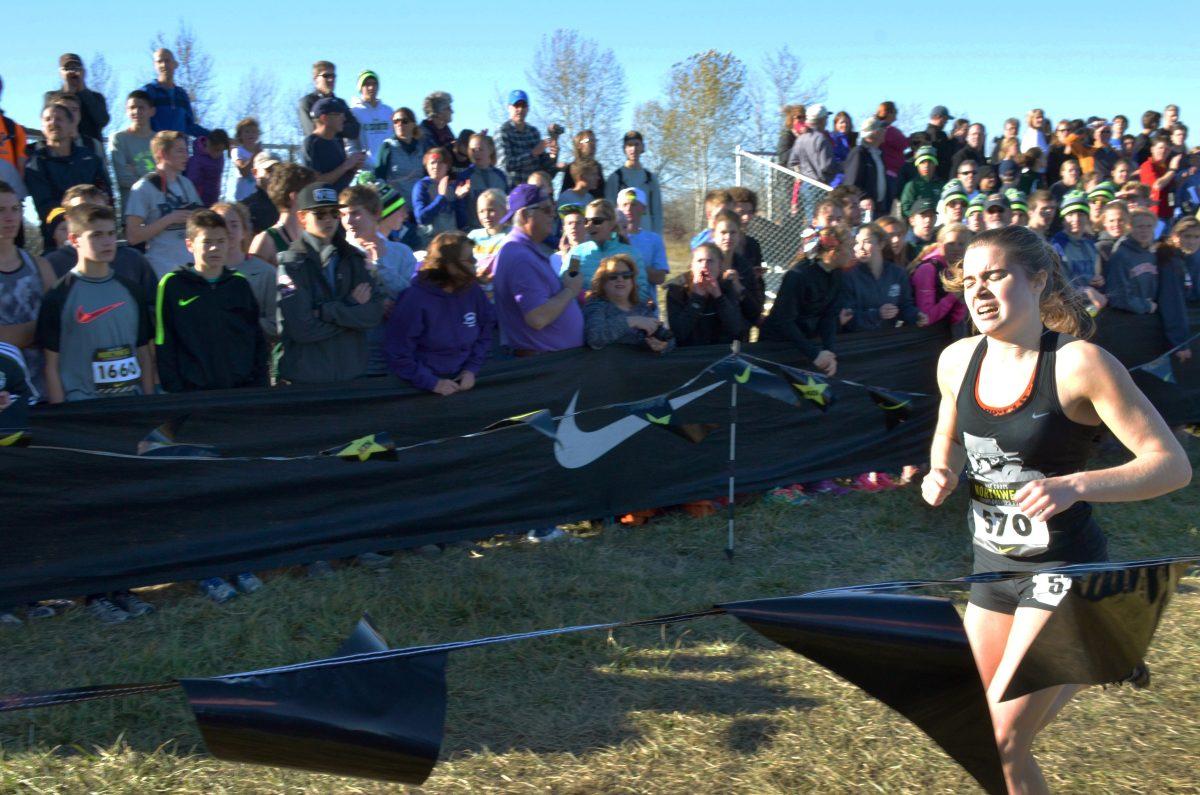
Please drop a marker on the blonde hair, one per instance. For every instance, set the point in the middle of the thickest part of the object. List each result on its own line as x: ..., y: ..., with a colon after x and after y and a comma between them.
x: 1063, y: 309
x: 238, y: 209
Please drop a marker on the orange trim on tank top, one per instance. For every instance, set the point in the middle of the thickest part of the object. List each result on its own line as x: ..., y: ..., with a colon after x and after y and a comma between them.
x: 1016, y: 404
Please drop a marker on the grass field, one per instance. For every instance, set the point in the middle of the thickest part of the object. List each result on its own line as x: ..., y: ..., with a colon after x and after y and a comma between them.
x: 706, y: 706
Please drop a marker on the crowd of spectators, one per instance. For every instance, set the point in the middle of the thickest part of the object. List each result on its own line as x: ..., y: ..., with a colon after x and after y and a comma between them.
x: 400, y: 247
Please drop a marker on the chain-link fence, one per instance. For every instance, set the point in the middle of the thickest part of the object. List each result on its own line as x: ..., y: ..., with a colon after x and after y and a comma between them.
x: 785, y: 207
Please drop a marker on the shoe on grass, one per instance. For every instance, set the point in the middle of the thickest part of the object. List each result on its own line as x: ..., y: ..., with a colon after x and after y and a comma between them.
x: 247, y: 583
x: 217, y: 589
x: 319, y: 569
x: 9, y: 618
x: 133, y: 604
x: 103, y: 609
x: 40, y: 611
x: 547, y: 535
x: 372, y: 560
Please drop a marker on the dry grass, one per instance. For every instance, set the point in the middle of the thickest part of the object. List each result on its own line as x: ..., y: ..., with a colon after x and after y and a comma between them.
x: 701, y: 707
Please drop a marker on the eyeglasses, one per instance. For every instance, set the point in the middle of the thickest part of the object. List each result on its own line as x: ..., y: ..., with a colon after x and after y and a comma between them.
x: 622, y: 275
x: 596, y: 221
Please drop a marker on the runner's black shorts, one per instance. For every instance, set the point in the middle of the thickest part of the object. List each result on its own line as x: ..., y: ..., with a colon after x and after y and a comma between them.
x: 1043, y: 591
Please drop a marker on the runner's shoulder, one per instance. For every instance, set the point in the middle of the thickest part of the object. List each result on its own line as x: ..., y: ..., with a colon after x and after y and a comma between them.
x: 952, y: 364
x: 1081, y: 361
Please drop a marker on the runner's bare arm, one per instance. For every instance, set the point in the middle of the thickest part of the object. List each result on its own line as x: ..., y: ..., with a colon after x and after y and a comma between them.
x: 1092, y: 383
x: 946, y: 454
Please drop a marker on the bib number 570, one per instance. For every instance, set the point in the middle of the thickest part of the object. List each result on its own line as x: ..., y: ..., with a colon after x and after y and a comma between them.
x: 994, y: 523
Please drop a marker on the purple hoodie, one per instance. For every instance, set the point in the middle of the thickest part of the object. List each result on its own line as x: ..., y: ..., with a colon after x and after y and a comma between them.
x: 434, y: 334
x: 205, y: 171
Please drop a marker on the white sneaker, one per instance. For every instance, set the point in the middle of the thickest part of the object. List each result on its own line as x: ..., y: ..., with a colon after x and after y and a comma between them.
x: 546, y: 535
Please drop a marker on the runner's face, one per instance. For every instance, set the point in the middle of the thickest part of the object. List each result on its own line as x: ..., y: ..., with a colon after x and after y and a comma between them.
x: 999, y: 296
x: 98, y: 243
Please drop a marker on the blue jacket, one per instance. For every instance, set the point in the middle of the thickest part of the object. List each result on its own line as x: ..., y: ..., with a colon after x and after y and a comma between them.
x: 1134, y: 277
x: 172, y: 110
x: 434, y: 334
x: 428, y: 203
x: 864, y: 294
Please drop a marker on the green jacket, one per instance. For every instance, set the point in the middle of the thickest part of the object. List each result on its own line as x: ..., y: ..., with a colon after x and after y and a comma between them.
x: 916, y: 188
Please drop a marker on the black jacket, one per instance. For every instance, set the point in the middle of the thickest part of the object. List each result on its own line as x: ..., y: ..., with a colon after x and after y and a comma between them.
x: 861, y: 172
x: 263, y: 214
x: 945, y: 150
x: 807, y: 306
x: 48, y: 176
x: 323, y: 329
x: 208, y: 335
x: 705, y: 321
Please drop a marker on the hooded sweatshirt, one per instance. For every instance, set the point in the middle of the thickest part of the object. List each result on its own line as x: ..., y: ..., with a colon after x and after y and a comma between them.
x: 322, y: 328
x: 205, y: 172
x: 172, y: 109
x: 1131, y: 277
x: 1079, y: 255
x: 929, y: 295
x: 375, y: 127
x: 208, y: 334
x: 434, y: 334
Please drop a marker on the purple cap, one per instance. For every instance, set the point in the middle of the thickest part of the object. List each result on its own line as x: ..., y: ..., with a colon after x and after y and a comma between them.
x: 522, y: 196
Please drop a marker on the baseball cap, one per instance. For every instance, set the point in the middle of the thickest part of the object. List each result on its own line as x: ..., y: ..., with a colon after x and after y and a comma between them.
x: 1016, y: 200
x: 815, y: 111
x: 975, y: 205
x: 364, y: 76
x: 995, y: 200
x: 1074, y: 202
x: 923, y: 204
x: 318, y: 194
x: 940, y: 110
x: 265, y: 159
x: 522, y: 196
x: 69, y: 59
x: 639, y: 195
x: 870, y: 124
x: 925, y: 153
x: 327, y: 105
x: 517, y: 95
x: 1008, y: 166
x: 570, y: 209
x: 632, y: 135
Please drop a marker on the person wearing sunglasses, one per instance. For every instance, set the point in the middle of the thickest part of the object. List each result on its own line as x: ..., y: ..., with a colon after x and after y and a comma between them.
x: 327, y: 298
x: 615, y: 313
x: 400, y: 162
x: 324, y: 77
x: 92, y: 105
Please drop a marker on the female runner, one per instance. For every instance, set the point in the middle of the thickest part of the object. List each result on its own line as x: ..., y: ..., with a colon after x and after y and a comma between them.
x: 1020, y: 406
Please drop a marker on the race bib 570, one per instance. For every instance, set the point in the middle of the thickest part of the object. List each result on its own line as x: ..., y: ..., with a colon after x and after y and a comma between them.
x: 1000, y: 526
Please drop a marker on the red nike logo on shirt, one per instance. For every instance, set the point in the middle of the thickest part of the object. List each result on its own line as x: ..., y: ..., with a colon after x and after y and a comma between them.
x: 88, y: 317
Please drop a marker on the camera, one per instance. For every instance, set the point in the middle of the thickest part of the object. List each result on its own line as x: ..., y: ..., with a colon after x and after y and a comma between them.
x: 555, y: 130
x: 663, y: 334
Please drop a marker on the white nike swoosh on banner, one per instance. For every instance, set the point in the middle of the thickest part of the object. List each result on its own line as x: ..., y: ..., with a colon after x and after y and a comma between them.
x: 578, y: 448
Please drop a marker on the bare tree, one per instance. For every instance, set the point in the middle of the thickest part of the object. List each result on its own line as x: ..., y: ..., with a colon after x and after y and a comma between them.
x: 703, y: 116
x: 258, y: 97
x: 579, y: 85
x: 911, y: 117
x: 195, y: 73
x: 100, y: 78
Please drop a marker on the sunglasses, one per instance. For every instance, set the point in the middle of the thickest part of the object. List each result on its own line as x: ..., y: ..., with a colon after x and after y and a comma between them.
x: 328, y: 75
x: 325, y: 213
x: 402, y: 121
x: 597, y: 221
x: 969, y: 173
x: 622, y: 275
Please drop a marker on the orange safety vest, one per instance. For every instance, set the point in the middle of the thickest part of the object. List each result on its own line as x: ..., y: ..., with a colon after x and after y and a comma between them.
x: 12, y: 143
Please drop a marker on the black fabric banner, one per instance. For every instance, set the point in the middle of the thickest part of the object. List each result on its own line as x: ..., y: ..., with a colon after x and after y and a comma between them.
x: 79, y: 523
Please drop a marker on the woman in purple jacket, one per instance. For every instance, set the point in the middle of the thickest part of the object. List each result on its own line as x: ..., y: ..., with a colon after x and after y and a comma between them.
x: 440, y: 330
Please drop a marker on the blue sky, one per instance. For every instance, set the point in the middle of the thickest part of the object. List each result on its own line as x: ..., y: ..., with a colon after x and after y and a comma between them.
x: 1071, y: 61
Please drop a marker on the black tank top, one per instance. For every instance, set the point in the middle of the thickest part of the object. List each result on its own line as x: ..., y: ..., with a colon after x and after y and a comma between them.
x: 1032, y: 442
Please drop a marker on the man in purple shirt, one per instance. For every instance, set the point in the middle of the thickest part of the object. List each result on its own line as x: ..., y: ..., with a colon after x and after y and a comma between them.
x: 537, y: 310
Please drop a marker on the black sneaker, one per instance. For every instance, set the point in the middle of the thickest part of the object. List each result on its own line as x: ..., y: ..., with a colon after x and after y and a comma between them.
x: 133, y: 604
x: 102, y: 608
